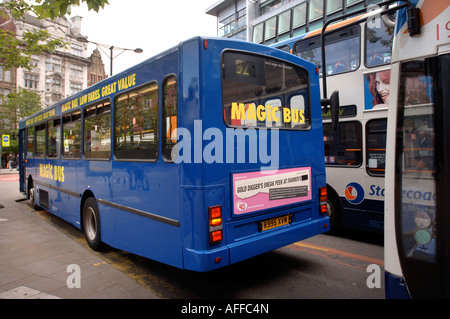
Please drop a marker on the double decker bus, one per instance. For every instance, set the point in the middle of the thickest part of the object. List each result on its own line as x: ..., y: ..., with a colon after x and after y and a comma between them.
x: 203, y: 156
x: 417, y: 226
x: 357, y: 64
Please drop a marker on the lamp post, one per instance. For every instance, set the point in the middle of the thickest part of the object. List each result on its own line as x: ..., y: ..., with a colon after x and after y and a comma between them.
x: 111, y: 48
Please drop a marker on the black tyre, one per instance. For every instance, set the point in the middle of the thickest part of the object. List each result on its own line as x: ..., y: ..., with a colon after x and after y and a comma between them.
x: 91, y: 224
x: 32, y: 195
x: 334, y: 208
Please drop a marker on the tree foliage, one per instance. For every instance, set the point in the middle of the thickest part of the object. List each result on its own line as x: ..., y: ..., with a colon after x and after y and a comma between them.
x: 16, y: 52
x: 17, y: 106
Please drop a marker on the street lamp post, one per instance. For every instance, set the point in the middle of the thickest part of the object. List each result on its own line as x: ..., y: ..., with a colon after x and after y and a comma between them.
x: 111, y: 48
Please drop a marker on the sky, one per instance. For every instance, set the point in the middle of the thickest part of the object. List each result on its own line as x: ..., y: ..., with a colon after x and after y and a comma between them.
x: 153, y: 26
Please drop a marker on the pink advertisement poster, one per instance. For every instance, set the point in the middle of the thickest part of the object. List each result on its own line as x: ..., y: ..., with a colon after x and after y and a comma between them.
x: 262, y: 190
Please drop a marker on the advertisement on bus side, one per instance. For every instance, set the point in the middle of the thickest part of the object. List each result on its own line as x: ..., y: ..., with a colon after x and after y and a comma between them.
x: 260, y: 190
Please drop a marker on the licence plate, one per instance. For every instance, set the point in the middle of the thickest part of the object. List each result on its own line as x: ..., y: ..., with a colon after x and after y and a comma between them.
x: 275, y: 222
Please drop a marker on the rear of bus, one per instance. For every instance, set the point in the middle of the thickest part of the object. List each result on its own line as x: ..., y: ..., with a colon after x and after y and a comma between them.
x: 256, y: 181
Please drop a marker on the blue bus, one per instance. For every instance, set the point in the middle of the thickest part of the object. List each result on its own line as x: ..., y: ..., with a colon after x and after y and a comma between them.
x: 203, y: 156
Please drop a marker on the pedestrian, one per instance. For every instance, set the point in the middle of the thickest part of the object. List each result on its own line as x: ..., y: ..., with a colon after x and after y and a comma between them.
x: 11, y: 160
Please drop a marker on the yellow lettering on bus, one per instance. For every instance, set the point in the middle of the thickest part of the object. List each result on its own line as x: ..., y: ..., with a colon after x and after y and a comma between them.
x: 261, y: 113
x: 251, y: 112
x: 286, y: 115
x: 274, y: 112
x: 238, y: 111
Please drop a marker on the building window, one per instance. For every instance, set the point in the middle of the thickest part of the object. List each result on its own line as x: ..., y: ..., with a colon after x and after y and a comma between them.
x: 315, y: 9
x: 5, y: 75
x: 299, y: 16
x: 34, y: 63
x: 31, y: 81
x: 76, y: 70
x: 53, y: 65
x: 284, y: 22
x: 77, y: 49
x: 258, y: 32
x: 3, y: 94
x: 351, y: 2
x: 271, y: 28
x: 333, y: 6
x: 75, y: 88
x: 53, y: 84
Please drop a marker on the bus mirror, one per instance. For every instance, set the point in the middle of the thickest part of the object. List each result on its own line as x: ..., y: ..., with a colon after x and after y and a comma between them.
x: 333, y: 101
x: 334, y: 106
x: 413, y: 17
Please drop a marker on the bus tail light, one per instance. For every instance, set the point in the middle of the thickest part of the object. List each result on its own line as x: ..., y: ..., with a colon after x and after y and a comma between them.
x: 215, y: 224
x: 323, y: 200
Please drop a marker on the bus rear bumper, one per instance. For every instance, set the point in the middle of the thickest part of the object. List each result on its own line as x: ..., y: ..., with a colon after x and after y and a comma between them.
x: 206, y: 260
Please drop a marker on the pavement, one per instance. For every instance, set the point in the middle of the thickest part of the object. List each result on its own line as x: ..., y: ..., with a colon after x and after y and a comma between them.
x: 39, y: 261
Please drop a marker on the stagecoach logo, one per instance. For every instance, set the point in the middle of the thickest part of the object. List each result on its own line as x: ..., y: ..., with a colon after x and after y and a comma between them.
x: 354, y: 193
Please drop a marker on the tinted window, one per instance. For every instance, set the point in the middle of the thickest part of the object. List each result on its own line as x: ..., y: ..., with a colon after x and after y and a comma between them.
x: 170, y: 116
x: 72, y: 135
x: 342, y: 50
x: 344, y: 146
x: 97, y: 131
x: 264, y: 92
x: 136, y: 124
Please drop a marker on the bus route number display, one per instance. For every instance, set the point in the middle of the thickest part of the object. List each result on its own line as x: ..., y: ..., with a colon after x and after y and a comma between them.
x: 245, y: 68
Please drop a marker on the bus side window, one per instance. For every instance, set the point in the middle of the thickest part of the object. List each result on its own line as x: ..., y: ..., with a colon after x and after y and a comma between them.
x: 378, y: 45
x: 97, y: 131
x: 54, y: 138
x: 169, y: 117
x: 343, y: 147
x: 30, y: 141
x: 72, y: 135
x: 376, y: 146
x: 136, y: 124
x: 40, y: 140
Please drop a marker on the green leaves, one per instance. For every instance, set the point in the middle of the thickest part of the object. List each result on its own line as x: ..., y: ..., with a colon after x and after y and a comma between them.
x: 50, y: 9
x: 17, y: 52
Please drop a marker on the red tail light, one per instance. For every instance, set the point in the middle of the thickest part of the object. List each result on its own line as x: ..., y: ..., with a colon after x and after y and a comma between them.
x: 215, y: 224
x: 323, y: 200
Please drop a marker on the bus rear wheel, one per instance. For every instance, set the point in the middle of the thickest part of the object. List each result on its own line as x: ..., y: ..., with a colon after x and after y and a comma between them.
x: 91, y: 224
x: 334, y: 212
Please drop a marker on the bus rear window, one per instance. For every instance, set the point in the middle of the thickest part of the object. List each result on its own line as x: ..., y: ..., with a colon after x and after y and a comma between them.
x: 264, y: 92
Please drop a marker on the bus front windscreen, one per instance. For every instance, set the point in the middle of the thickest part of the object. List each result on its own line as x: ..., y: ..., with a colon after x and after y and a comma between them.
x: 264, y: 92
